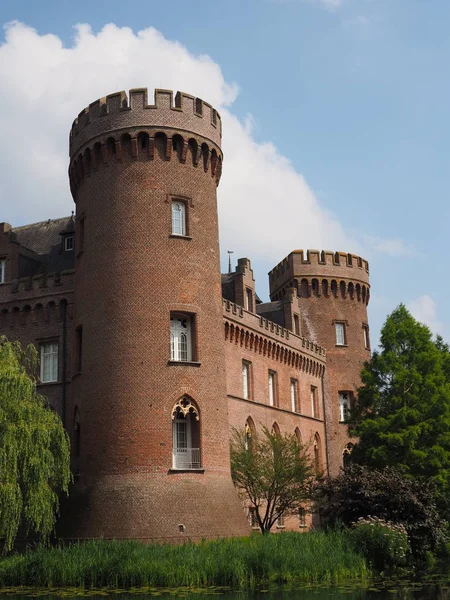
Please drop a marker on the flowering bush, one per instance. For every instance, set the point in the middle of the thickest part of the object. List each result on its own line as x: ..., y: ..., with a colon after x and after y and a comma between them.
x: 383, y: 543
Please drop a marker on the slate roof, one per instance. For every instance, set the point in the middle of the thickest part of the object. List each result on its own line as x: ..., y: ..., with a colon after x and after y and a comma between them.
x: 273, y: 311
x: 41, y: 247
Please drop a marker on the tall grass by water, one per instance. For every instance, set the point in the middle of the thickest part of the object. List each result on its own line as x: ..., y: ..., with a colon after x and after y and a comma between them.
x: 239, y: 563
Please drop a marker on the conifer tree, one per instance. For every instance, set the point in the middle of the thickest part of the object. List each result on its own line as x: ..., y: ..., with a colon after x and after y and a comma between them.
x: 34, y: 448
x: 403, y: 414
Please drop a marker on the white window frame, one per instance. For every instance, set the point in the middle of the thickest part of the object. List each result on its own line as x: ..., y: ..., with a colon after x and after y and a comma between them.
x: 344, y: 401
x: 294, y: 393
x: 366, y: 337
x: 340, y: 333
x: 49, y: 353
x: 2, y: 270
x: 180, y: 338
x: 246, y: 379
x: 280, y: 524
x: 178, y: 217
x: 67, y: 246
x: 272, y: 376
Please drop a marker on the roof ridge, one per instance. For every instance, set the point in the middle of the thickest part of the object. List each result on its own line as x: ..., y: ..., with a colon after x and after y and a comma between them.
x: 47, y: 221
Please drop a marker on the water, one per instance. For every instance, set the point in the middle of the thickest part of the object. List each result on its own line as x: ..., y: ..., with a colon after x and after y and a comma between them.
x: 383, y: 591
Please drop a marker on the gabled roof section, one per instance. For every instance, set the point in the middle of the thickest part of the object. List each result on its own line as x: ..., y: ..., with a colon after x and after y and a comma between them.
x: 41, y: 247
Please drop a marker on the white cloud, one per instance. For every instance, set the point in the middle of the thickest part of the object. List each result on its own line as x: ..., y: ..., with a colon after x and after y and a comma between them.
x: 391, y: 247
x: 331, y: 4
x: 266, y: 207
x: 424, y: 310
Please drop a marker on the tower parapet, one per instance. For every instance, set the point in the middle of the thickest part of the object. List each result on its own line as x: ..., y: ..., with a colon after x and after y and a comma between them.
x: 119, y: 111
x: 321, y: 273
x: 120, y: 128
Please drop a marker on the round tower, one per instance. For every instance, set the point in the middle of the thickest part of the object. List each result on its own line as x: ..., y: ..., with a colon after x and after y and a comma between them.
x: 333, y: 290
x: 149, y: 358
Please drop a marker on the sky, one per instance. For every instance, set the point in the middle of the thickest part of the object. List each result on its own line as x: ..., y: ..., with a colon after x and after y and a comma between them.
x: 335, y: 122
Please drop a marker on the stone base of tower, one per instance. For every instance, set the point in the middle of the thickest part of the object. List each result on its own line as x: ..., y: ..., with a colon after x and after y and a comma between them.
x: 154, y: 507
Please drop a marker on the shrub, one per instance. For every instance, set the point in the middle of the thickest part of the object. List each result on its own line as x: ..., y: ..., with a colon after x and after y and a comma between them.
x: 387, y: 494
x: 384, y: 544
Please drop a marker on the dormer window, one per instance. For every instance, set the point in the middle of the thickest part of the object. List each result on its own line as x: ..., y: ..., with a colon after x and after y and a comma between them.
x: 68, y: 243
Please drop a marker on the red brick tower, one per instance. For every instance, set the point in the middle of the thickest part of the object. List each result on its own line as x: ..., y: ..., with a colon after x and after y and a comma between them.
x: 149, y: 384
x: 333, y: 290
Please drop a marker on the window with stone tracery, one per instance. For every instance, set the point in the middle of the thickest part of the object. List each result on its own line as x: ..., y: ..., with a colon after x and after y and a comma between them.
x: 186, y: 451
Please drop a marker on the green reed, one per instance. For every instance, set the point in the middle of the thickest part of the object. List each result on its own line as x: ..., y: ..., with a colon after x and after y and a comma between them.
x: 239, y: 563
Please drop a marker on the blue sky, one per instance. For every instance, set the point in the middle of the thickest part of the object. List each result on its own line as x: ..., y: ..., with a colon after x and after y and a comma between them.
x: 346, y: 101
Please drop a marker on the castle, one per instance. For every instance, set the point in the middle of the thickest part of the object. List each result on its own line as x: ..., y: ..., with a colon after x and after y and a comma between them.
x: 148, y: 353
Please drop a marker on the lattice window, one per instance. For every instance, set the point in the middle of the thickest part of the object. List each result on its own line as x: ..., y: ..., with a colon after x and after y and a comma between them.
x: 49, y: 362
x: 178, y: 218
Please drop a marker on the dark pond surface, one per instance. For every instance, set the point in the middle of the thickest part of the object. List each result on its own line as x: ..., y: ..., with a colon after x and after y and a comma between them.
x: 385, y: 590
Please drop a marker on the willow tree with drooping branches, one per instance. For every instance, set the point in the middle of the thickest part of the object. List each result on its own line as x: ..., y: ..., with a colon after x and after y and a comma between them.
x: 34, y: 449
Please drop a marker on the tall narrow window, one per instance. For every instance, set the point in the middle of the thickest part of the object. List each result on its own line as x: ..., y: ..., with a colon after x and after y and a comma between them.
x: 340, y: 334
x: 178, y: 218
x: 272, y: 388
x: 294, y: 398
x: 317, y: 454
x: 301, y: 518
x: 2, y: 270
x: 49, y: 362
x: 81, y: 234
x: 180, y: 338
x: 78, y: 348
x: 252, y: 518
x: 245, y: 379
x: 186, y: 435
x: 366, y: 337
x: 314, y: 402
x: 344, y: 399
x: 249, y: 299
x: 280, y: 522
x: 346, y: 456
x: 296, y: 325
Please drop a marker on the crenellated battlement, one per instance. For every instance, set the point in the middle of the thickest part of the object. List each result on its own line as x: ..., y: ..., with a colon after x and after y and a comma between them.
x: 321, y: 272
x: 121, y: 112
x: 44, y: 281
x: 268, y: 328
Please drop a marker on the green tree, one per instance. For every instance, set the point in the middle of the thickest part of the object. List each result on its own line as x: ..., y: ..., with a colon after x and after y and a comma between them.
x: 34, y: 448
x: 403, y: 414
x: 273, y: 471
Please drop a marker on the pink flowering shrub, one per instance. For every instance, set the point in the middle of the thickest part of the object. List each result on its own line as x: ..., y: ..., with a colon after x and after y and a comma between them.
x: 384, y: 544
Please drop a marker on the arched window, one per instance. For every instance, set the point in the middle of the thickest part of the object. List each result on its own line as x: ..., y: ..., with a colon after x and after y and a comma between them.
x: 317, y: 454
x: 275, y: 429
x: 186, y: 452
x: 180, y: 338
x: 346, y: 455
x: 249, y: 433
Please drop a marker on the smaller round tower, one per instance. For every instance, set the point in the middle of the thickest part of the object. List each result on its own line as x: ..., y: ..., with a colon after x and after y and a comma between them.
x: 333, y: 290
